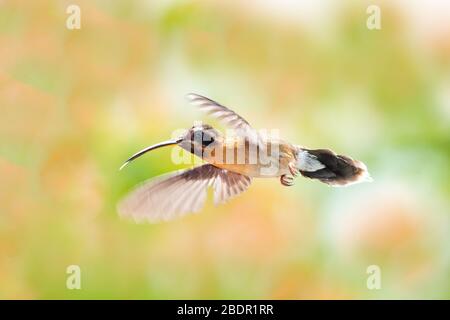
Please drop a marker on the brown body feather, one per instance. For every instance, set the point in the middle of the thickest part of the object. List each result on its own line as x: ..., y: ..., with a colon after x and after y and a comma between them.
x: 238, y: 154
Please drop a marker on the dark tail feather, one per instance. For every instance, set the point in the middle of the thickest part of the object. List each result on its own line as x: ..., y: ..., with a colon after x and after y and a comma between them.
x: 338, y: 170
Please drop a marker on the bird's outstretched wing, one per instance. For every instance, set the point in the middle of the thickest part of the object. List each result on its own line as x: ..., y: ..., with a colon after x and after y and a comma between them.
x: 175, y: 194
x: 220, y: 112
x: 227, y: 117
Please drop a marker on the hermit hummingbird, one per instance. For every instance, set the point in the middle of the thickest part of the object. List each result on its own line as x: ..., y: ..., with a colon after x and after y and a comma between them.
x: 231, y: 164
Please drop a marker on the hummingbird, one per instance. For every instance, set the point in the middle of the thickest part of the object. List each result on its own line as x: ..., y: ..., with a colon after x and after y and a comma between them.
x: 230, y: 164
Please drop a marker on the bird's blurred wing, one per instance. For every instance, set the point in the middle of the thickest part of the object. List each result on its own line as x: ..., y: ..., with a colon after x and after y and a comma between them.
x: 220, y: 112
x: 226, y: 116
x: 173, y: 195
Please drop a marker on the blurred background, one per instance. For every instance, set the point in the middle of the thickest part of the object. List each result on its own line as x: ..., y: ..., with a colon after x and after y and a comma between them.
x: 76, y: 103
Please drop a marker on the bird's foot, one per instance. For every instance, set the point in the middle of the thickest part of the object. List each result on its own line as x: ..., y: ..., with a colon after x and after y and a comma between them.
x: 293, y: 169
x: 287, y: 180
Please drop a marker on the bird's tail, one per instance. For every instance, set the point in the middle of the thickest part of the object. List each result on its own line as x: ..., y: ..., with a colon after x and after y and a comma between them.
x: 330, y: 168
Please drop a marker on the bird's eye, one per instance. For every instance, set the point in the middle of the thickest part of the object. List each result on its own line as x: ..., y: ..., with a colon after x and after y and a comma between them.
x: 202, y: 137
x: 207, y: 138
x: 207, y: 142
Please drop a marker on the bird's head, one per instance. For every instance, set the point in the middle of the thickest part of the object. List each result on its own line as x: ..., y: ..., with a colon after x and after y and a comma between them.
x: 198, y: 138
x: 195, y: 140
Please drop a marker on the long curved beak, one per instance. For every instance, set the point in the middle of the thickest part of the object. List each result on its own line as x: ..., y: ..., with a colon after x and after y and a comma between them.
x: 153, y: 147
